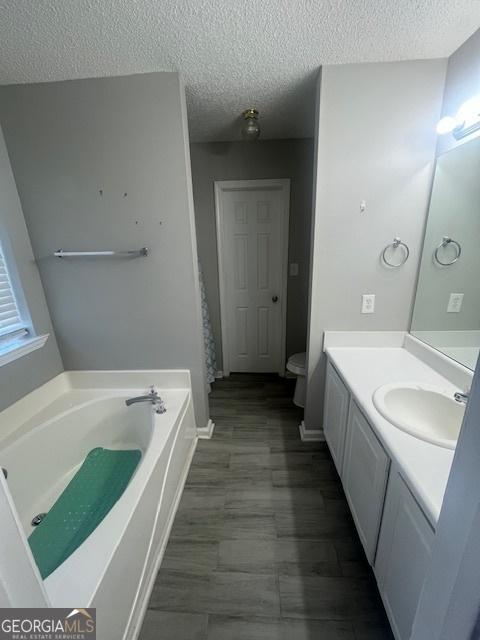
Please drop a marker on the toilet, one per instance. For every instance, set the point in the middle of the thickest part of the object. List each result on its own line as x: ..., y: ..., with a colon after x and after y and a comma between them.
x: 296, y: 365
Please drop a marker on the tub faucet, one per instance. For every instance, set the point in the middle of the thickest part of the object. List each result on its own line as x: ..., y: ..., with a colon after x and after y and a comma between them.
x: 151, y: 397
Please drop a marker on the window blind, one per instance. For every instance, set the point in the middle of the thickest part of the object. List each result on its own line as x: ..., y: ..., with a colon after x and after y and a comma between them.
x: 10, y: 319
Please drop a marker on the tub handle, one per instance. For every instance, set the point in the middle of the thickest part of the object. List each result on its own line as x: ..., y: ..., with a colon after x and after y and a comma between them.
x: 160, y: 406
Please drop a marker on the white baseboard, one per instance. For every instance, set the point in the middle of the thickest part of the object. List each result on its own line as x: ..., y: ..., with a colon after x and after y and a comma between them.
x: 310, y: 435
x: 218, y: 375
x: 136, y: 623
x: 205, y: 433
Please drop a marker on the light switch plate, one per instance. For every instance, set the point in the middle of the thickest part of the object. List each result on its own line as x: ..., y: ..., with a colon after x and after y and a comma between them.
x: 455, y: 303
x: 368, y: 303
x: 294, y: 269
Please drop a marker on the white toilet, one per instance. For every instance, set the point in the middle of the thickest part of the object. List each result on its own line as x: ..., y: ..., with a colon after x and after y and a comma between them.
x: 296, y: 365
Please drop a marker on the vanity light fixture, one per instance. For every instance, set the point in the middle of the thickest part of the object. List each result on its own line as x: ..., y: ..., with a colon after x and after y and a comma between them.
x: 466, y: 121
x: 250, y: 127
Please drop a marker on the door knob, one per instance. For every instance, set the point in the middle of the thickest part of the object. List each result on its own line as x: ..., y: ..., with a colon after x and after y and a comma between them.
x: 274, y: 298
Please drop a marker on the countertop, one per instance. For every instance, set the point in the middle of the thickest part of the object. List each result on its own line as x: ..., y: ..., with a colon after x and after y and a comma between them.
x: 425, y: 467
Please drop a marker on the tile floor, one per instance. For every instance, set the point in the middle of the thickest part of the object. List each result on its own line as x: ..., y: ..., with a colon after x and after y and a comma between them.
x: 263, y: 546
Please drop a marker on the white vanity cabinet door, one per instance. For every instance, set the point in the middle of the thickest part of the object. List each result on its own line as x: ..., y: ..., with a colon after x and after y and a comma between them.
x: 365, y: 472
x: 403, y: 556
x: 335, y: 415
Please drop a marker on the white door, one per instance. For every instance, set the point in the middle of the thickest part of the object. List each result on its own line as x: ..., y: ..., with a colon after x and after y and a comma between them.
x: 252, y: 236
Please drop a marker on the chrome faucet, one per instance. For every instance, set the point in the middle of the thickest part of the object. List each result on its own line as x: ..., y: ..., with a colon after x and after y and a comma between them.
x: 461, y: 397
x: 151, y: 397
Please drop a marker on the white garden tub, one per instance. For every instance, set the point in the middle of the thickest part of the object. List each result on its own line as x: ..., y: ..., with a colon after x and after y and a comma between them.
x: 114, y: 567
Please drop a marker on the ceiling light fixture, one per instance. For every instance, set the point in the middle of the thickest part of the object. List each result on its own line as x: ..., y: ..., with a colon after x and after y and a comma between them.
x: 464, y: 123
x: 250, y: 127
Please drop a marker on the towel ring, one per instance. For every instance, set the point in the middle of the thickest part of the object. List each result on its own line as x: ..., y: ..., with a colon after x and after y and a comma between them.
x: 394, y: 245
x: 446, y: 240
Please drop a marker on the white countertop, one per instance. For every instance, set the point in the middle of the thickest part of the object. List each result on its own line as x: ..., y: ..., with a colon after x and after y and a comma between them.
x: 425, y: 467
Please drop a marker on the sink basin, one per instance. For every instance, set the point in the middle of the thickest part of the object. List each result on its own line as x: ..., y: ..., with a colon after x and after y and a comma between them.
x: 426, y: 412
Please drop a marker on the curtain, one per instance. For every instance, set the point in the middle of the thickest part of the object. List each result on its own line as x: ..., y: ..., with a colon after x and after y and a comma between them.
x: 208, y: 340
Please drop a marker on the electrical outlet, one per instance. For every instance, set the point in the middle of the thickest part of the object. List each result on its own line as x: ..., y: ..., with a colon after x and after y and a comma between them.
x: 294, y: 269
x: 455, y: 303
x: 368, y: 303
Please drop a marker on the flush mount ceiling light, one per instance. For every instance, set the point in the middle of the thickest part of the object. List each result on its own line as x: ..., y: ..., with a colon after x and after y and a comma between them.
x: 250, y: 127
x: 465, y: 122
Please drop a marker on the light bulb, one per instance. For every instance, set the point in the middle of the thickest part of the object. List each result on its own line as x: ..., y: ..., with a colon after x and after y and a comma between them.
x: 447, y: 125
x: 250, y: 127
x: 469, y: 111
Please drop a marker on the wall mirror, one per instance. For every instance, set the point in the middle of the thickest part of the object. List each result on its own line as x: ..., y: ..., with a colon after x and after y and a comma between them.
x: 447, y: 304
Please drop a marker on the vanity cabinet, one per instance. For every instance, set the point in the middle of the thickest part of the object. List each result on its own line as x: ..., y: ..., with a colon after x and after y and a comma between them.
x: 394, y: 531
x: 335, y: 415
x: 364, y: 476
x: 403, y: 555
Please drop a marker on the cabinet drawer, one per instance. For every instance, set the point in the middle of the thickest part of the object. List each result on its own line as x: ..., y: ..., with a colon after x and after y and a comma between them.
x: 365, y: 472
x: 335, y: 415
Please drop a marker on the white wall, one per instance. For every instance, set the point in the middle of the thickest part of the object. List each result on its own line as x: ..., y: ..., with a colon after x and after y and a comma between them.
x: 29, y: 372
x: 104, y: 163
x: 254, y: 161
x: 376, y: 142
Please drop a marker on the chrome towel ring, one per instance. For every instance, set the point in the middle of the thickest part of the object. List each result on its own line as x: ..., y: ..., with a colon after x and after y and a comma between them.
x: 394, y: 245
x: 446, y: 240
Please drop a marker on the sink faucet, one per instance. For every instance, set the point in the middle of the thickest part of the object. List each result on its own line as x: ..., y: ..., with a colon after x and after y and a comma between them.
x: 151, y: 397
x: 461, y: 397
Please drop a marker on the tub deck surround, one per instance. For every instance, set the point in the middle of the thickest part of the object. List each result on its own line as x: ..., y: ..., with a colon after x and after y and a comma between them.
x: 425, y: 467
x: 73, y: 387
x: 263, y: 545
x: 76, y: 413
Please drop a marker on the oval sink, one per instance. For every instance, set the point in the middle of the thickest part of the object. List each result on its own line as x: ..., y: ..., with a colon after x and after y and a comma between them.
x: 426, y: 412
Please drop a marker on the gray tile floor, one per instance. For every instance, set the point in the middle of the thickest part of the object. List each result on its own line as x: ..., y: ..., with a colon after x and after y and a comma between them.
x: 263, y: 546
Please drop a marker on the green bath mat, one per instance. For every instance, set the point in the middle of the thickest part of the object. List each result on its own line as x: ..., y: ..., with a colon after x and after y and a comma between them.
x: 89, y: 496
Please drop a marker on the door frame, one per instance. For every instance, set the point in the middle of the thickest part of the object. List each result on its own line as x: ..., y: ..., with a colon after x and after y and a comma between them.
x: 283, y: 185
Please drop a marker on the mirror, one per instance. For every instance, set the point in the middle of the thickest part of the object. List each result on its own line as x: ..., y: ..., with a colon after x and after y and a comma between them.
x: 447, y: 304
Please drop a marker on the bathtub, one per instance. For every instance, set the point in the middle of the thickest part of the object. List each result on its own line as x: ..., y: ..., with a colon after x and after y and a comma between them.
x: 114, y: 568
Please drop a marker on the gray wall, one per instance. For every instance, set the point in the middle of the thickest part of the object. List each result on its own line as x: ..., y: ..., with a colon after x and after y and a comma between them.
x: 462, y: 83
x: 127, y: 138
x: 29, y: 372
x: 375, y: 142
x: 249, y: 161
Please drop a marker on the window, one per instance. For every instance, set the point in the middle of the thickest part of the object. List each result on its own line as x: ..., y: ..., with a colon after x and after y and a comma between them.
x: 17, y: 336
x: 11, y: 324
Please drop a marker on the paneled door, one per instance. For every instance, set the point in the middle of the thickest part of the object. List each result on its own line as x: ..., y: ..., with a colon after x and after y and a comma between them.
x: 252, y: 240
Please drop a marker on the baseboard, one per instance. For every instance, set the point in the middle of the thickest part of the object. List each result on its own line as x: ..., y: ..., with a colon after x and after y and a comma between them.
x: 136, y: 624
x: 218, y: 375
x: 310, y: 435
x: 205, y: 433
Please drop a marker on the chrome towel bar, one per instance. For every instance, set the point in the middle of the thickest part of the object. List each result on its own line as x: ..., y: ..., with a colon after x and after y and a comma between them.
x: 84, y: 254
x: 394, y: 245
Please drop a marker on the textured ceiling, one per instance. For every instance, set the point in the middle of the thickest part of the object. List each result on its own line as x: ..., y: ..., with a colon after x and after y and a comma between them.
x: 233, y: 55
